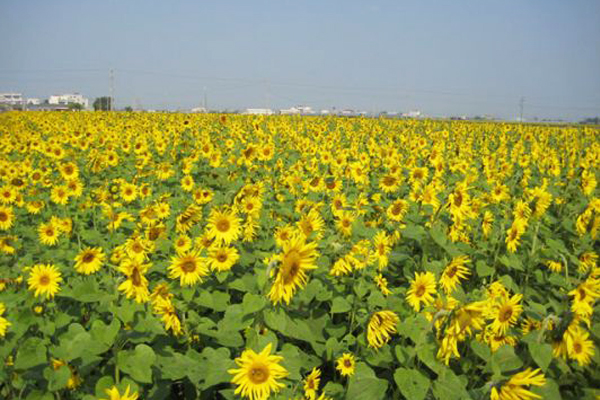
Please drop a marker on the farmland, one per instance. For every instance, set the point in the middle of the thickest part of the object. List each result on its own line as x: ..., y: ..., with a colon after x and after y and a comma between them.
x: 217, y: 256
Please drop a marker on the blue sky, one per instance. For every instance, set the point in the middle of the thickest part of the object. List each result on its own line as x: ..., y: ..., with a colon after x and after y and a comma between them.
x: 442, y: 57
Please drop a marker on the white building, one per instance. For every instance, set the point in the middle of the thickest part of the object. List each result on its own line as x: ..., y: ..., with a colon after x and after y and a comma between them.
x: 259, y: 111
x: 33, y: 102
x: 68, y: 99
x: 11, y: 98
x: 413, y: 114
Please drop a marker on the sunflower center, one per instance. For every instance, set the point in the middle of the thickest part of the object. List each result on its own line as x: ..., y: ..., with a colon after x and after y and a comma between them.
x: 50, y: 232
x: 259, y: 374
x: 505, y: 313
x: 396, y: 209
x: 136, y: 277
x: 291, y: 267
x: 44, y: 280
x: 420, y: 290
x: 88, y: 258
x: 347, y: 363
x: 223, y: 225
x: 451, y: 271
x: 188, y: 266
x: 137, y: 247
x: 458, y: 199
x: 577, y: 347
x: 389, y: 181
x: 345, y: 223
x: 3, y: 216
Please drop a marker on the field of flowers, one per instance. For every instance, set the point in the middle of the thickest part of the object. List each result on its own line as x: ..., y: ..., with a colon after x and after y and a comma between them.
x: 175, y: 256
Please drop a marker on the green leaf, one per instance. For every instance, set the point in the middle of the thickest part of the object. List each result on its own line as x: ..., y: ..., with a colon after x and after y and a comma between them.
x: 31, y: 354
x: 448, y: 386
x: 412, y: 384
x: 253, y: 303
x: 57, y: 379
x: 365, y: 385
x: 217, y: 362
x: 505, y: 359
x: 483, y: 269
x: 340, y: 305
x: 138, y: 363
x: 106, y: 382
x: 541, y: 354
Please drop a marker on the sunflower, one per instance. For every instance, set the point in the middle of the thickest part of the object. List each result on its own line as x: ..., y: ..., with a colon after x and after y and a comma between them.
x: 222, y: 258
x: 34, y: 207
x: 6, y: 217
x: 397, y: 210
x: 7, y: 195
x: 311, y: 223
x: 486, y: 223
x: 7, y: 244
x: 68, y: 171
x: 224, y: 226
x: 136, y: 284
x: 381, y: 327
x: 296, y: 258
x: 346, y: 364
x: 311, y: 383
x: 382, y: 248
x: 421, y: 290
x: 89, y: 260
x: 128, y: 192
x: 579, y: 347
x: 183, y: 244
x: 48, y: 233
x: 454, y: 272
x: 514, y: 388
x: 189, y: 267
x: 506, y: 313
x: 60, y: 195
x: 4, y: 323
x: 187, y: 183
x: 44, y: 279
x: 258, y: 374
x: 382, y: 284
x: 344, y: 222
x: 114, y: 394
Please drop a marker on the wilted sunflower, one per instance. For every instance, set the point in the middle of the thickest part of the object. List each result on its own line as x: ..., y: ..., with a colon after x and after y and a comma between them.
x: 421, y: 290
x: 6, y: 218
x: 381, y: 327
x: 189, y: 267
x: 89, y: 260
x: 224, y: 226
x: 258, y: 374
x: 346, y: 364
x: 222, y: 258
x: 296, y: 258
x: 44, y: 279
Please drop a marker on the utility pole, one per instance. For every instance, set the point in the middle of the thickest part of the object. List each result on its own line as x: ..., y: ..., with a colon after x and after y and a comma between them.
x: 521, y: 105
x: 111, y: 76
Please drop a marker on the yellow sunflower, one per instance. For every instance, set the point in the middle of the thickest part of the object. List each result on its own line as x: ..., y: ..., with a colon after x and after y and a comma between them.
x: 44, y: 279
x: 381, y: 327
x: 311, y: 384
x: 579, y: 347
x: 6, y: 218
x: 514, y: 388
x: 48, y: 233
x: 89, y: 260
x: 189, y: 267
x: 296, y: 258
x: 222, y: 258
x: 346, y: 364
x: 421, y: 290
x: 114, y: 394
x: 505, y: 314
x: 136, y: 284
x: 454, y: 272
x: 224, y: 226
x: 258, y: 374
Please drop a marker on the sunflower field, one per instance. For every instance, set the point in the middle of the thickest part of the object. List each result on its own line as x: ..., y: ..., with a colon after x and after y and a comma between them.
x: 178, y: 256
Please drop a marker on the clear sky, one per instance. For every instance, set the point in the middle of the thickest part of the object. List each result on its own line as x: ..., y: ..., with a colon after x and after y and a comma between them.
x: 441, y: 57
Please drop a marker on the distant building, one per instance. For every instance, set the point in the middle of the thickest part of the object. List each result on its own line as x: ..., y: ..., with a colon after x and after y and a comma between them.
x: 33, y: 102
x: 413, y: 114
x: 69, y: 98
x: 199, y: 110
x: 324, y: 112
x: 303, y: 110
x: 259, y: 111
x: 11, y: 98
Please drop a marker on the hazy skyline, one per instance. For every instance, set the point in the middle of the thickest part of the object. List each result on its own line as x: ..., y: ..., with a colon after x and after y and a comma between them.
x: 443, y: 58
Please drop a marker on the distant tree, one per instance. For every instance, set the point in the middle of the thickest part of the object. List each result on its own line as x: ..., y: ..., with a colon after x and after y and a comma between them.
x: 75, y: 106
x: 102, y: 103
x: 128, y: 108
x: 591, y: 121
